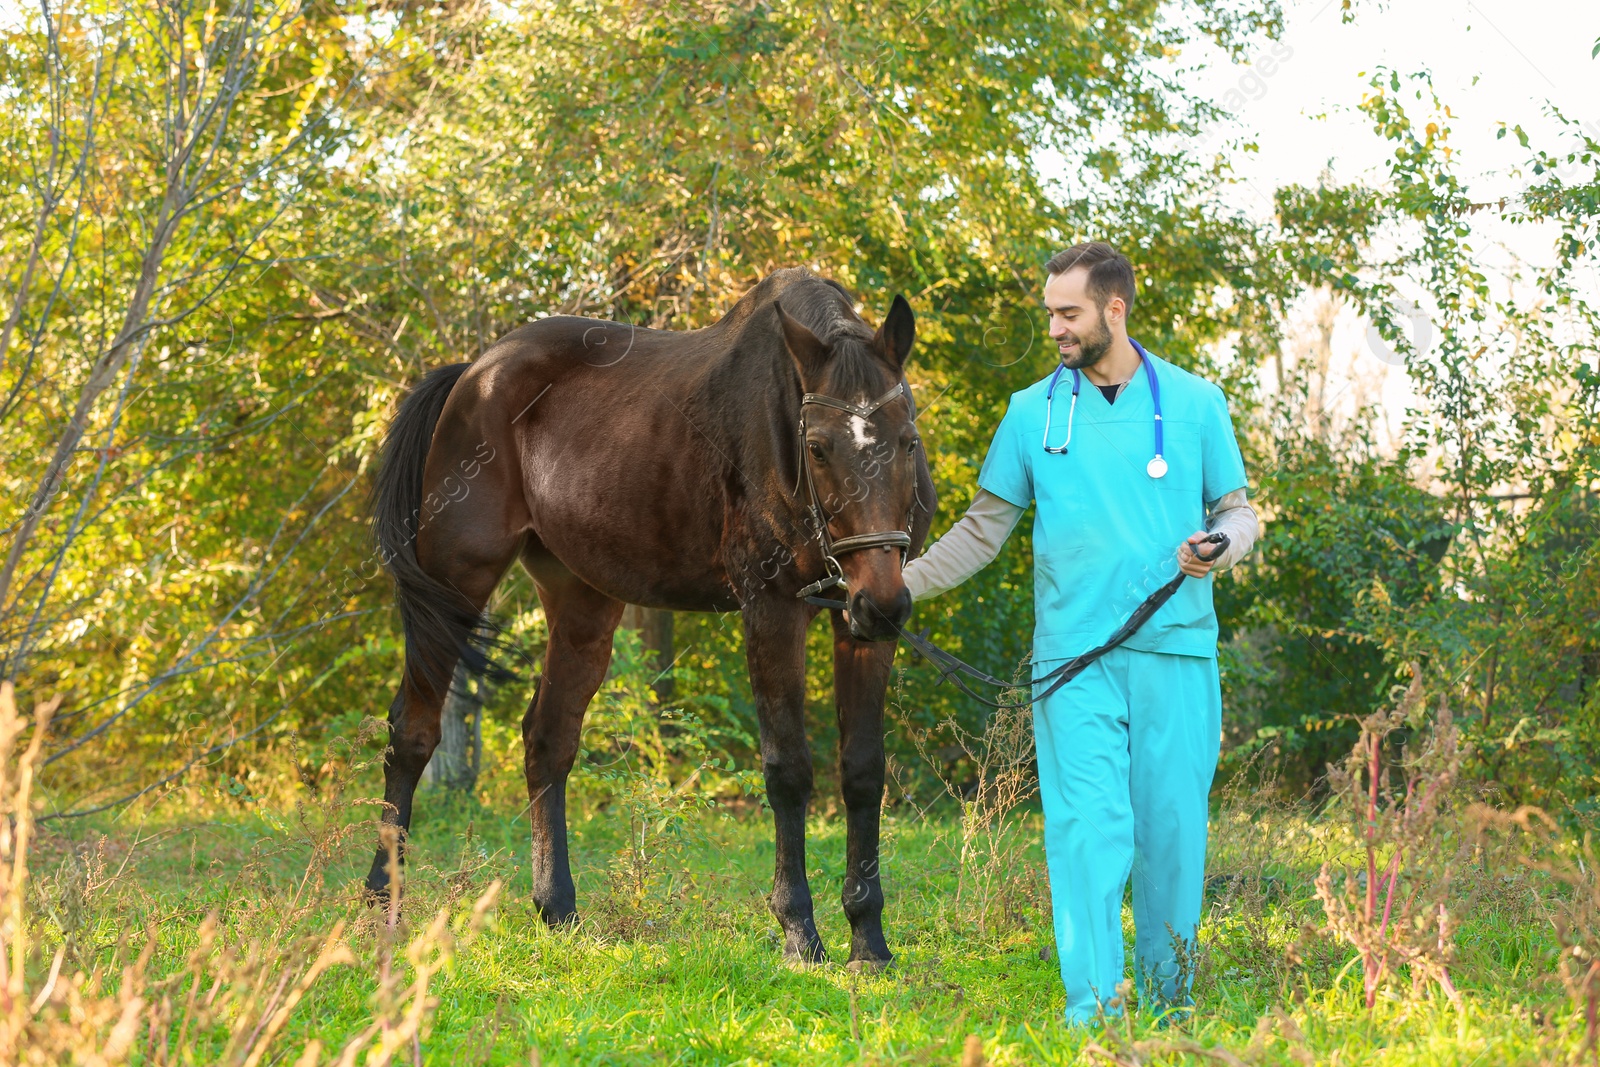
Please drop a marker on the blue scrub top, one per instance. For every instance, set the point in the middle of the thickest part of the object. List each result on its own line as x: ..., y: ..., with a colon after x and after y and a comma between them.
x: 1106, y: 534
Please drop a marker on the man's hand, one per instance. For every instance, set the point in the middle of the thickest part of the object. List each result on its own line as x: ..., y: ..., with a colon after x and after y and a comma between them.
x: 1190, y: 563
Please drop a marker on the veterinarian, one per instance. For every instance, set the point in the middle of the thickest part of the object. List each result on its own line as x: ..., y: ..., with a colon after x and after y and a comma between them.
x: 1130, y: 461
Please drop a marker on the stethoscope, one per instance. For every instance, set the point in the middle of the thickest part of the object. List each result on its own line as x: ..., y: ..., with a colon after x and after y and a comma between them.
x: 1157, y: 467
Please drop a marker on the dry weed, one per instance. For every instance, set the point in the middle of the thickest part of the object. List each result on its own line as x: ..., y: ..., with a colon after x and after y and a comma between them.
x: 1396, y: 911
x: 1536, y: 842
x: 229, y: 1001
x: 992, y: 873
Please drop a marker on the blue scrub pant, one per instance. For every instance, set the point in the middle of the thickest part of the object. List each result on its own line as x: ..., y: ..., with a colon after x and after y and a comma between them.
x: 1127, y: 751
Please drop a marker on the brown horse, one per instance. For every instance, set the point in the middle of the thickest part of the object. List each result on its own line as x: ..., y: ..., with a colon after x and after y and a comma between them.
x: 708, y: 470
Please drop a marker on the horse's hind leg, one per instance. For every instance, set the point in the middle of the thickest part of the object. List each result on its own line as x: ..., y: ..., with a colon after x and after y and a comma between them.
x: 582, y: 621
x: 464, y: 552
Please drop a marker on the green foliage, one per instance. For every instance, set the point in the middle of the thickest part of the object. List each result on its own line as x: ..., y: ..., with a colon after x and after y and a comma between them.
x: 1467, y: 548
x: 1509, y: 423
x: 1345, y: 532
x: 394, y: 188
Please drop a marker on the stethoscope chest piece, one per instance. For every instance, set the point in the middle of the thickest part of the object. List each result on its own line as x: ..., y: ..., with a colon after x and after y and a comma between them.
x: 1157, y: 467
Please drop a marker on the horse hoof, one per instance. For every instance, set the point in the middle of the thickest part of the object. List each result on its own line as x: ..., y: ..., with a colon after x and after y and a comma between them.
x: 375, y: 894
x: 869, y: 966
x: 805, y: 955
x: 559, y: 918
x: 558, y: 909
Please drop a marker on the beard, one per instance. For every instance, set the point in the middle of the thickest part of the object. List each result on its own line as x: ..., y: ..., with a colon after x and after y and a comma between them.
x: 1092, y: 346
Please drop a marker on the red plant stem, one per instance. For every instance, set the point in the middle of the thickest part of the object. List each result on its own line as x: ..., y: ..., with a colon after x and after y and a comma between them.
x: 1388, y: 892
x: 1372, y: 830
x: 1388, y: 902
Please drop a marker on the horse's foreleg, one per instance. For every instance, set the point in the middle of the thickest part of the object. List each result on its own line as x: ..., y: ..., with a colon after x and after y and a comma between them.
x: 582, y: 621
x: 775, y: 648
x: 860, y: 680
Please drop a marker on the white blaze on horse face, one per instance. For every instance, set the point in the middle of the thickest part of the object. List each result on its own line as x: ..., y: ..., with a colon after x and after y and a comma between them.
x: 861, y: 431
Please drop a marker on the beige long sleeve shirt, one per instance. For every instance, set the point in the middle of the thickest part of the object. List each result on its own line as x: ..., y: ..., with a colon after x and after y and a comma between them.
x: 976, y: 539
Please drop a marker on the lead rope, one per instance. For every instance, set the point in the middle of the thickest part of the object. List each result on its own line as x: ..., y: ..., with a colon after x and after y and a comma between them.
x: 952, y: 668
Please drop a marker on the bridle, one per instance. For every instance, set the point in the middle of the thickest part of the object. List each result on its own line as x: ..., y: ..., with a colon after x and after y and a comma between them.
x: 831, y: 548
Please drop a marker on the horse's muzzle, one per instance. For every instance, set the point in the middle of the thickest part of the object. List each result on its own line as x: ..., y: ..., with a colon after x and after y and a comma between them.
x: 871, y: 620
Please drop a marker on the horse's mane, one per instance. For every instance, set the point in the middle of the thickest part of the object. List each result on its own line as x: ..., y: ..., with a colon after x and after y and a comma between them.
x: 827, y: 309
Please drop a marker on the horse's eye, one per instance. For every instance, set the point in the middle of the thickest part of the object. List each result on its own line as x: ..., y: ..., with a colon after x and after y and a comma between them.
x: 911, y: 447
x: 815, y: 450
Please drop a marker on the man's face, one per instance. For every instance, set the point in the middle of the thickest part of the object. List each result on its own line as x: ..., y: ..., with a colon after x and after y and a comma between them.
x: 1077, y: 326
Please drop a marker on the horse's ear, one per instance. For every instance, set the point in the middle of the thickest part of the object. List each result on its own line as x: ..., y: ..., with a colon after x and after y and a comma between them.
x: 809, y: 353
x: 898, y: 331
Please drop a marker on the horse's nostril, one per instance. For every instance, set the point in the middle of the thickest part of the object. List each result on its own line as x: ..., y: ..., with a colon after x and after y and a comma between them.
x: 858, y: 608
x: 878, y: 620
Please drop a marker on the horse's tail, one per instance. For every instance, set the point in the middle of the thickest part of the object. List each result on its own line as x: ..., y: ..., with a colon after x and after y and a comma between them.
x: 441, y: 625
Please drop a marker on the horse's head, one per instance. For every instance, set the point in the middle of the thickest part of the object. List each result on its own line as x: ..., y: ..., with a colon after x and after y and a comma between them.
x: 859, y: 454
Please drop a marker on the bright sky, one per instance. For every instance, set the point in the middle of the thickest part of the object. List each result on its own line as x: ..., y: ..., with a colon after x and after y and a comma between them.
x: 1491, y: 61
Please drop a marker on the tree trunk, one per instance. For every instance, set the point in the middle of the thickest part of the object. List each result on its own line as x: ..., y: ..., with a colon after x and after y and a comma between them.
x: 655, y: 632
x: 455, y: 762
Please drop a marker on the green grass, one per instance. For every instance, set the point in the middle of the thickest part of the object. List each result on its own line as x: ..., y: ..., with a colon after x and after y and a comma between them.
x: 690, y: 972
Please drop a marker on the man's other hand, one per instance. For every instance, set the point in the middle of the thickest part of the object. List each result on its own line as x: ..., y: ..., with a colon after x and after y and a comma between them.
x: 1190, y: 563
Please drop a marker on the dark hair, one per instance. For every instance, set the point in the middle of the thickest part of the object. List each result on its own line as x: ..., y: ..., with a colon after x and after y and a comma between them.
x: 1110, y: 273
